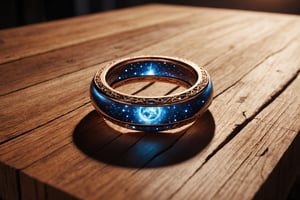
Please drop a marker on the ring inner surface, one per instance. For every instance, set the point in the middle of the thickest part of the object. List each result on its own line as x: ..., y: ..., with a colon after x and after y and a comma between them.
x: 161, y: 70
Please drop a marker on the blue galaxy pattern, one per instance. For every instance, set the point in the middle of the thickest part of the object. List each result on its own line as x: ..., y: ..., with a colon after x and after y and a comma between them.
x: 151, y: 68
x: 147, y: 118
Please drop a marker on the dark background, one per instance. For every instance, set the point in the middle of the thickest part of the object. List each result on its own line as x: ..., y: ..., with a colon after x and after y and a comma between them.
x: 21, y: 12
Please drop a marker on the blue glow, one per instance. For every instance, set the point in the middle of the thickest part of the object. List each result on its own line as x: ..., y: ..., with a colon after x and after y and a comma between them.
x: 150, y: 72
x: 149, y: 114
x: 150, y: 69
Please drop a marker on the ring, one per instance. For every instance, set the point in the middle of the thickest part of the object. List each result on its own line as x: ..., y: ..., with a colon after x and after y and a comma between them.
x: 154, y: 113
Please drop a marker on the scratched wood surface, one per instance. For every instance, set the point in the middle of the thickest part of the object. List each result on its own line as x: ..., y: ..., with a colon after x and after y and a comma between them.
x: 53, y: 145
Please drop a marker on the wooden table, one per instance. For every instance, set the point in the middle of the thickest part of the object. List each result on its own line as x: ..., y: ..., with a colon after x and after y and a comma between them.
x: 55, y: 146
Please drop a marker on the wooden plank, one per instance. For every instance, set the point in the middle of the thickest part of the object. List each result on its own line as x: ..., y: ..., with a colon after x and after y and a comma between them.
x: 40, y: 38
x: 24, y: 100
x: 253, y: 153
x: 8, y: 182
x: 235, y: 52
x: 14, y: 75
x: 35, y: 190
x: 161, y: 180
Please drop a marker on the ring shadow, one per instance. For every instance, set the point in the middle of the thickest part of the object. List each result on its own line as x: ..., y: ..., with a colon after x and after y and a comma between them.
x: 141, y: 149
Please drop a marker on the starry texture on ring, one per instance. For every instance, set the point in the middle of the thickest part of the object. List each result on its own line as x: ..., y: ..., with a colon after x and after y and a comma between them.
x: 151, y: 68
x: 146, y: 115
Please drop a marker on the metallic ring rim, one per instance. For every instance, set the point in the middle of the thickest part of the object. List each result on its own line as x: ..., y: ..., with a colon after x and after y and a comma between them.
x: 194, y: 90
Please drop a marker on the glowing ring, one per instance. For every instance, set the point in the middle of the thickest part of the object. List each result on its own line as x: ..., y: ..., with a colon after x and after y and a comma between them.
x: 151, y: 113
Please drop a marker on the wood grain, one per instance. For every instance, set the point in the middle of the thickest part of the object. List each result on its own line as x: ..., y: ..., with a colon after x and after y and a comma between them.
x: 41, y: 38
x: 14, y: 75
x: 249, y: 158
x: 55, y: 146
x: 37, y: 94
